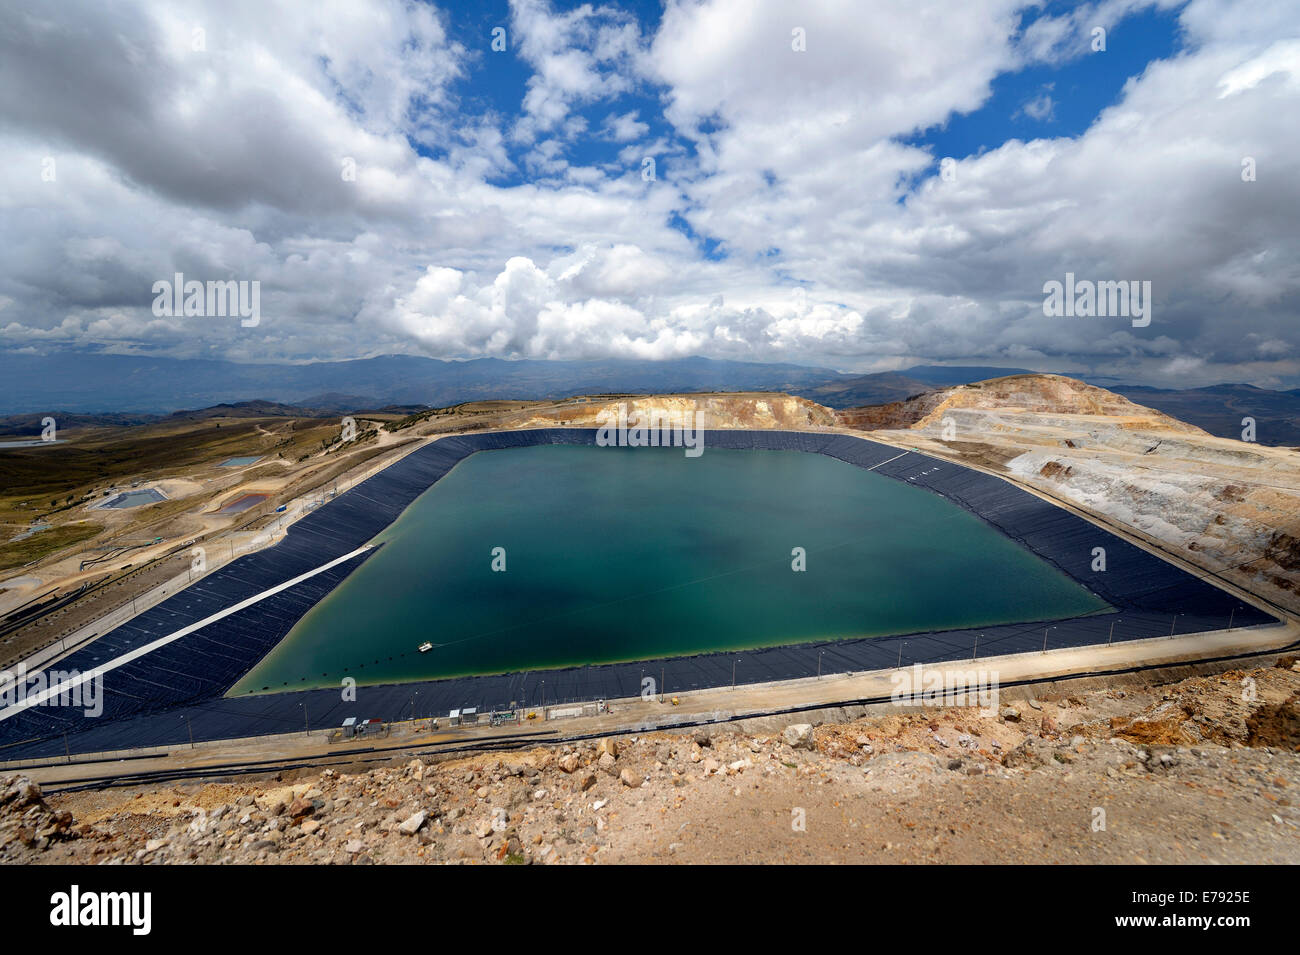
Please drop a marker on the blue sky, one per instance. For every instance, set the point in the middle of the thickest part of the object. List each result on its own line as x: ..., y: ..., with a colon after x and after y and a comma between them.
x: 1062, y: 97
x: 498, y: 204
x: 495, y: 82
x: 1073, y: 89
x: 1078, y: 88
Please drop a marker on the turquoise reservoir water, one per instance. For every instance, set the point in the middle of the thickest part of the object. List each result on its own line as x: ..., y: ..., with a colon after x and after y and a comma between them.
x: 634, y: 553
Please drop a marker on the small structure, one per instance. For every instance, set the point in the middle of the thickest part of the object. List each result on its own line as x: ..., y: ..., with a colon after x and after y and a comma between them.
x: 463, y: 717
x: 349, y: 728
x: 370, y: 727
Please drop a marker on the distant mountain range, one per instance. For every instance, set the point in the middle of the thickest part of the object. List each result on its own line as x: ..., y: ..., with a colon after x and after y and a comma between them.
x: 884, y: 387
x: 99, y: 389
x: 1219, y: 409
x: 128, y: 383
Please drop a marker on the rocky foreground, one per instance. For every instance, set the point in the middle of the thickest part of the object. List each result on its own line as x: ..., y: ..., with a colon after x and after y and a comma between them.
x: 1205, y: 770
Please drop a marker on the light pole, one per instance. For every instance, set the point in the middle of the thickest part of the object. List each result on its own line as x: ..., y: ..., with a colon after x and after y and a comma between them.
x: 190, y: 727
x: 1045, y: 629
x: 733, y: 673
x: 976, y: 654
x: 1111, y: 639
x: 819, y: 663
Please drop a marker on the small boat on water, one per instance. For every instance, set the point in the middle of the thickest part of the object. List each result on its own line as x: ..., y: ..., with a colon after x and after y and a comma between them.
x: 426, y: 647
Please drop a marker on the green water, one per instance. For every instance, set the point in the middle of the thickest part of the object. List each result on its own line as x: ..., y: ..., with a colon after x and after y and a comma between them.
x: 634, y: 553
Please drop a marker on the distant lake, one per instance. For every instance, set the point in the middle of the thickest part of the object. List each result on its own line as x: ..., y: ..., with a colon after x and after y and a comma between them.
x: 634, y: 553
x: 242, y: 504
x: 139, y: 498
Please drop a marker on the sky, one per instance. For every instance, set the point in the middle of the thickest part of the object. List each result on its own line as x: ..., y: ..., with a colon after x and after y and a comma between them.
x: 862, y: 185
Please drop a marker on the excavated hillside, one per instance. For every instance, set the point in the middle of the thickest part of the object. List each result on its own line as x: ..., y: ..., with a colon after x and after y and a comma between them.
x: 1042, y: 395
x: 1231, y: 507
x: 749, y: 410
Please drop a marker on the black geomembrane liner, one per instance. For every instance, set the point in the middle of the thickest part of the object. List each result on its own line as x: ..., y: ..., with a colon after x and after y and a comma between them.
x: 160, y: 698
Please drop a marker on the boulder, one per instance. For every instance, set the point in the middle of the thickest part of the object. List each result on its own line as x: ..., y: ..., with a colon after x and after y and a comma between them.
x: 798, y: 736
x: 19, y: 791
x: 411, y: 825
